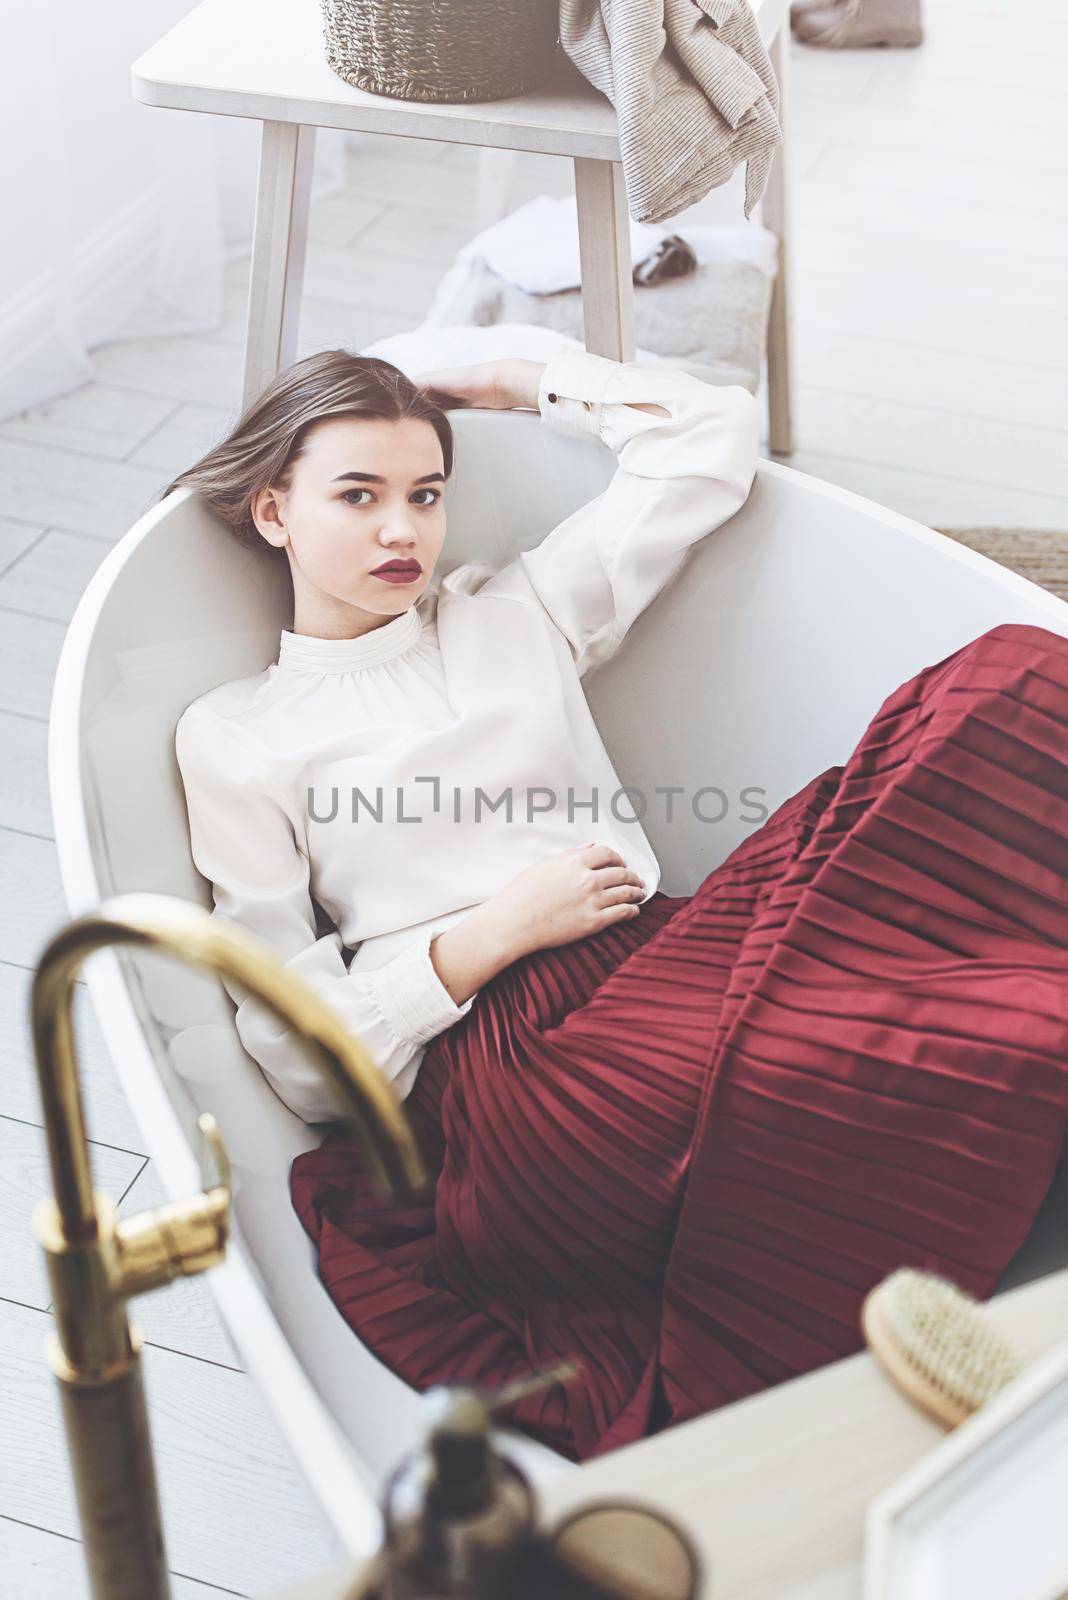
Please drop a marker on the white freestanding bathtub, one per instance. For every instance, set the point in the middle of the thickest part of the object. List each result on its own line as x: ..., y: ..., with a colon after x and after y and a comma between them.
x: 759, y: 666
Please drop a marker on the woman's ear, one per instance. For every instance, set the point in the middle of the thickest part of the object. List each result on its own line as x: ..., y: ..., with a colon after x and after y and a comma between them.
x: 267, y: 513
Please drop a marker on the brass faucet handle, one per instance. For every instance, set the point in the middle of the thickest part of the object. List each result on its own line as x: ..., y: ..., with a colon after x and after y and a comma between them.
x: 183, y: 1238
x: 214, y: 1157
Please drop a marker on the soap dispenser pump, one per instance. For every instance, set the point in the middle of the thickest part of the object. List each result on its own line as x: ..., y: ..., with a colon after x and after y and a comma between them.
x: 459, y: 1516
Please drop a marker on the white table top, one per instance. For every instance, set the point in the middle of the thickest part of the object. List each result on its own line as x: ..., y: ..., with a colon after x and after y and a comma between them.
x: 266, y: 59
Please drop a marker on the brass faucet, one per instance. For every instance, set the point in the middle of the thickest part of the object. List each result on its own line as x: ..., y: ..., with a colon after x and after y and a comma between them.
x: 96, y: 1262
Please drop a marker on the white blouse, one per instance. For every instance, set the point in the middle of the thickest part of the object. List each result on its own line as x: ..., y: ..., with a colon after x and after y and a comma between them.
x: 401, y: 778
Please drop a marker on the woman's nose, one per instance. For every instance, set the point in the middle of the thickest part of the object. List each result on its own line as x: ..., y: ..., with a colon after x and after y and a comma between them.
x: 397, y: 529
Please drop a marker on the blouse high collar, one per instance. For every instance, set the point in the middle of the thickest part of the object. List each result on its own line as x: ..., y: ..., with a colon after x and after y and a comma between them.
x: 309, y: 654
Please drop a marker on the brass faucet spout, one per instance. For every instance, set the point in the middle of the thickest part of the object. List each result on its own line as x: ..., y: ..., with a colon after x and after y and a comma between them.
x: 96, y: 1263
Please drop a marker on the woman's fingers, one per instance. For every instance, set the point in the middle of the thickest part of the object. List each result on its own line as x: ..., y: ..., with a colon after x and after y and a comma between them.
x: 452, y: 383
x: 478, y: 384
x: 611, y: 876
x: 624, y: 893
x: 442, y: 376
x: 601, y: 855
x: 609, y: 865
x: 615, y: 881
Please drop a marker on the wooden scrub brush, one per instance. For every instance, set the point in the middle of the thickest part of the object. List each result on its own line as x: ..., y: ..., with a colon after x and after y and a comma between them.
x: 937, y: 1344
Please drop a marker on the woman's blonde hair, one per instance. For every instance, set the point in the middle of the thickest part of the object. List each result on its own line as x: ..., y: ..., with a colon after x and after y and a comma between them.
x: 271, y: 433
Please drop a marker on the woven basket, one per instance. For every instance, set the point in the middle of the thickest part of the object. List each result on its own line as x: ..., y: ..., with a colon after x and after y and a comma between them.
x: 442, y: 50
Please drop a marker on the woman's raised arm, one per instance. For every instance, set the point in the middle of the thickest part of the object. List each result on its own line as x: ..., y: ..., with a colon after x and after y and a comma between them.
x: 686, y: 453
x: 497, y: 385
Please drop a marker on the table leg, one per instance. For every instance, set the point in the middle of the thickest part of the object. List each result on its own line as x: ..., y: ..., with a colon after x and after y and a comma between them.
x: 278, y: 245
x: 604, y: 257
x: 776, y: 208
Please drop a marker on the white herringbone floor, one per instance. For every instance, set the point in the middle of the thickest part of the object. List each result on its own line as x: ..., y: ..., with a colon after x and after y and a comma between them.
x: 932, y: 347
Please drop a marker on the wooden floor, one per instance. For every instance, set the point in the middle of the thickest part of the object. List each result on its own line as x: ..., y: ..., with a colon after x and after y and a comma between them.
x: 932, y: 339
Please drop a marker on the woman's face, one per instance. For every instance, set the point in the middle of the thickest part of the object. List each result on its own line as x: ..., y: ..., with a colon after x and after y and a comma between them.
x: 365, y: 492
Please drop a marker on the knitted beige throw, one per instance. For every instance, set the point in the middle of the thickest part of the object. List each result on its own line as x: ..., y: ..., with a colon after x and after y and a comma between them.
x: 693, y: 90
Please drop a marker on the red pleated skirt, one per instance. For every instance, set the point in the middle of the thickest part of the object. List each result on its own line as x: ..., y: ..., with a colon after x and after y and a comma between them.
x: 684, y: 1149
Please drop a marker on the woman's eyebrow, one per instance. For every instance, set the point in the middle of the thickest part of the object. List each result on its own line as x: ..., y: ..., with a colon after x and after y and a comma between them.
x: 373, y: 477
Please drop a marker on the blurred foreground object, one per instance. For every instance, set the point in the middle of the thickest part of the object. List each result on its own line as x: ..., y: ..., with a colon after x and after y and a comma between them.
x: 850, y: 24
x: 97, y: 1263
x: 936, y: 1343
x: 461, y: 1521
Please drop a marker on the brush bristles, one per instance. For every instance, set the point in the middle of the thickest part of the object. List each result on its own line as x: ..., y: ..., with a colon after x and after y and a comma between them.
x: 945, y: 1337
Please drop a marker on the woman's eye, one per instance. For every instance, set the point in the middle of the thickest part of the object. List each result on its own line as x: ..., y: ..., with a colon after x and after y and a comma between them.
x: 433, y: 493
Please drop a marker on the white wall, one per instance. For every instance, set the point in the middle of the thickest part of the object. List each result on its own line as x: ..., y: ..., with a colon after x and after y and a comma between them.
x: 115, y: 217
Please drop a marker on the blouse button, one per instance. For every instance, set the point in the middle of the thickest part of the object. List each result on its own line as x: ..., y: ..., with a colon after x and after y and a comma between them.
x: 552, y: 398
x: 587, y: 405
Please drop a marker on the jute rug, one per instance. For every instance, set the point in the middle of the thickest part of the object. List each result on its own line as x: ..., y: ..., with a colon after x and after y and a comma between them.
x: 1033, y: 553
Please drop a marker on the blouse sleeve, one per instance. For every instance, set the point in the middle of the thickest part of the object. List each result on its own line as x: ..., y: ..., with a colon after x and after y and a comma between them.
x: 243, y: 841
x: 678, y: 477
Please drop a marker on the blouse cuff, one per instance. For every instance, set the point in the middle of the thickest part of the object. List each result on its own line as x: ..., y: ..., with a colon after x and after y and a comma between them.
x: 412, y: 998
x: 571, y: 390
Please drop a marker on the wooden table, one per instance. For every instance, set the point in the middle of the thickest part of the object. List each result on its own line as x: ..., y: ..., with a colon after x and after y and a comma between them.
x: 774, y: 1490
x: 265, y: 59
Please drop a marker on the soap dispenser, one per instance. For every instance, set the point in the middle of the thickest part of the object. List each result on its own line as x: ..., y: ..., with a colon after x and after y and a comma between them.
x: 459, y: 1516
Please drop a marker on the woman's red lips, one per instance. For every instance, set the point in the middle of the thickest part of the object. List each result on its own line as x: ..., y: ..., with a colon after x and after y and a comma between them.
x: 398, y: 571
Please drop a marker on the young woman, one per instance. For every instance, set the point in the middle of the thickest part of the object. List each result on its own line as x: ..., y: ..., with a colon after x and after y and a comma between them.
x: 676, y: 1137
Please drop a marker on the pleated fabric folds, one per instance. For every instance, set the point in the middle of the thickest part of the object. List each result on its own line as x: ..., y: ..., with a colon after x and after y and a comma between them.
x: 683, y: 1150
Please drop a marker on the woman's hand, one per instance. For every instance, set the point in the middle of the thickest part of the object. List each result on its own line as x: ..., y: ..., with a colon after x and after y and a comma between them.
x: 565, y: 897
x: 489, y: 385
x: 553, y: 902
